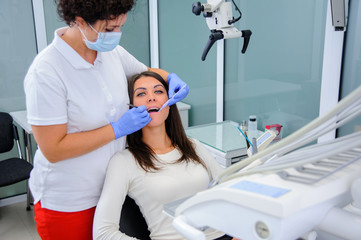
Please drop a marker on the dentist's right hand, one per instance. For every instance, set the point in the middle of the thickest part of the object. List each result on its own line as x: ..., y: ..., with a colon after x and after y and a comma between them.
x: 131, y: 121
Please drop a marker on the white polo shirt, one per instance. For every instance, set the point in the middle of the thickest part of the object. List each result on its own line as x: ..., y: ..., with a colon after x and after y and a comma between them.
x: 61, y: 87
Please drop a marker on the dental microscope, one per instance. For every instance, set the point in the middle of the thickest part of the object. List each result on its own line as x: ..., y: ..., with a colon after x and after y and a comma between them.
x: 220, y: 20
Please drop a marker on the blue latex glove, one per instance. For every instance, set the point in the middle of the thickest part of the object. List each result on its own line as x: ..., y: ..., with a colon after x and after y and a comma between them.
x: 176, y: 86
x: 131, y: 121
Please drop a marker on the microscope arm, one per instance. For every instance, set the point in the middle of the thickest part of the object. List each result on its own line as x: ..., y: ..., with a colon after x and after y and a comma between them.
x: 224, y: 34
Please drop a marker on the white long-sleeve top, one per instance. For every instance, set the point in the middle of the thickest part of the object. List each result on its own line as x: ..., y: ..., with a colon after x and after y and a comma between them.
x: 151, y: 190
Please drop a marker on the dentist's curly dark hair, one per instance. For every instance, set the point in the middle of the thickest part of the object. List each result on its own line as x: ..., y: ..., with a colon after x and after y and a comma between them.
x: 92, y: 10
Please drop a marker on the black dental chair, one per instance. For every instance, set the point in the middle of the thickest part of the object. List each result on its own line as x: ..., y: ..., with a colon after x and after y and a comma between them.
x: 13, y: 169
x: 132, y: 221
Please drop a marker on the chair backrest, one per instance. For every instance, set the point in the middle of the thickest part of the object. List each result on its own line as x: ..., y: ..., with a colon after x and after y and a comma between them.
x: 6, y: 132
x: 132, y: 222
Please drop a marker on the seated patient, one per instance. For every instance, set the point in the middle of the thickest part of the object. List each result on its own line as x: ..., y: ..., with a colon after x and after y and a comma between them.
x: 160, y: 165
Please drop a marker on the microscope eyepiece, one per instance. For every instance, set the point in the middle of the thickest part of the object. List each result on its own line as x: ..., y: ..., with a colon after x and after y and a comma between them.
x: 197, y: 8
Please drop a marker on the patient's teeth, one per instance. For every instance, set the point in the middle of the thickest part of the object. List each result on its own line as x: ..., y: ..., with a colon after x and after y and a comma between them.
x: 155, y: 109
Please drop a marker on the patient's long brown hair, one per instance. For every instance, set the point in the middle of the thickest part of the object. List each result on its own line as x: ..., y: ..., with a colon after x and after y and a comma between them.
x: 143, y: 154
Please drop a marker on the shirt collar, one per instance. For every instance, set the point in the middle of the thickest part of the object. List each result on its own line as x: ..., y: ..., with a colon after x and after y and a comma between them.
x: 69, y: 53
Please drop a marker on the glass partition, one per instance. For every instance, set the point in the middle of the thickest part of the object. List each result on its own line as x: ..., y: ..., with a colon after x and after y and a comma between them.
x: 52, y: 19
x: 135, y: 37
x: 18, y: 49
x: 351, y: 74
x: 182, y: 38
x: 278, y: 79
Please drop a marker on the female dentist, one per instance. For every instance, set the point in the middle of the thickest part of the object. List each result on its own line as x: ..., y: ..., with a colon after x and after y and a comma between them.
x: 76, y: 98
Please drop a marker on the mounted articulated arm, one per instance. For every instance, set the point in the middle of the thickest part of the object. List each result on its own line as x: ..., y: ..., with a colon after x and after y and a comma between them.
x: 219, y: 17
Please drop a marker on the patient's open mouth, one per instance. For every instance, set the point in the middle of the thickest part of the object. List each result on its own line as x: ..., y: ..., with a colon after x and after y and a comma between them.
x: 153, y: 109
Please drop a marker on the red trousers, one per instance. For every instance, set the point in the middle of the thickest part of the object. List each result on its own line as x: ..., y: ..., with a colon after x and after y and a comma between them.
x: 54, y: 225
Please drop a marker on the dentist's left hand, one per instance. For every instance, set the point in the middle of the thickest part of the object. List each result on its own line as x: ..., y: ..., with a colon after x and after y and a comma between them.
x: 178, y: 87
x: 131, y: 121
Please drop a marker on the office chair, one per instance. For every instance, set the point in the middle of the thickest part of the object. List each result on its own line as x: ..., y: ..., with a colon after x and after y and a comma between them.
x: 15, y: 169
x: 132, y: 222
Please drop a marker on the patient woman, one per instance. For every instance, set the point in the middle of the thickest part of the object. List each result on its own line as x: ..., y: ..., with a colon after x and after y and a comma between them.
x: 160, y: 165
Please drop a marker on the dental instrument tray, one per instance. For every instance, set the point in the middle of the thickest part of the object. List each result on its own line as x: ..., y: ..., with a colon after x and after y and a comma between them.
x: 223, y: 139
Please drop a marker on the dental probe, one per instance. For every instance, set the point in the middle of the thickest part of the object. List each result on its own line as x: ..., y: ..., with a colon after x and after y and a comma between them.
x: 131, y: 105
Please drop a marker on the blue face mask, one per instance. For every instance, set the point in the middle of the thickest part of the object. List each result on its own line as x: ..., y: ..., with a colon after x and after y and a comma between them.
x: 105, y: 42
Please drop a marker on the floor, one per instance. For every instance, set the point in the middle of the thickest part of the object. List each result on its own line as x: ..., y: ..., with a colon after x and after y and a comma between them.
x: 16, y: 223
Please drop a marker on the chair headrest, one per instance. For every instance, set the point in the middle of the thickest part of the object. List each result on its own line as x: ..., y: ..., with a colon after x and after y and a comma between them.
x: 6, y: 132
